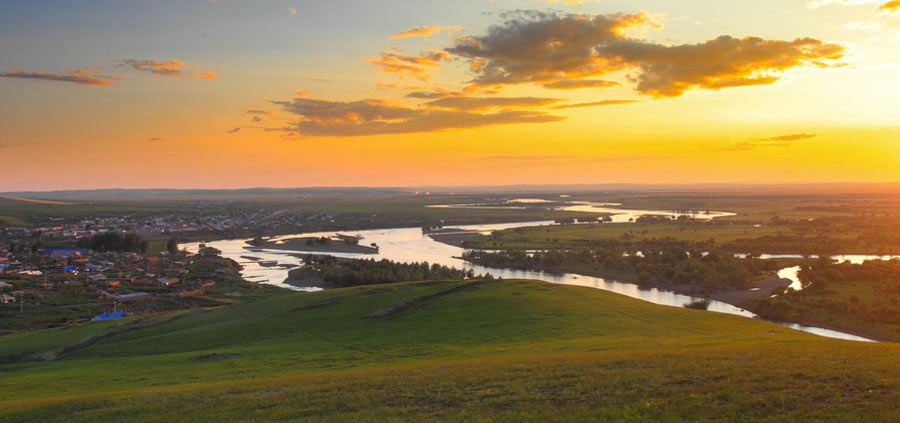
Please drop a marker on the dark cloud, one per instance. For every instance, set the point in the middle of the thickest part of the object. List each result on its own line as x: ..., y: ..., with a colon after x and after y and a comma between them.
x: 557, y: 50
x: 154, y: 139
x: 78, y: 76
x: 435, y: 93
x: 374, y: 117
x: 593, y: 104
x: 171, y: 68
x: 257, y: 119
x: 531, y: 46
x: 482, y: 103
x: 231, y: 131
x: 572, y: 84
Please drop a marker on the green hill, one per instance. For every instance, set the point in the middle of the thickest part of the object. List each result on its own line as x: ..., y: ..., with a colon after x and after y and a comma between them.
x: 514, y: 351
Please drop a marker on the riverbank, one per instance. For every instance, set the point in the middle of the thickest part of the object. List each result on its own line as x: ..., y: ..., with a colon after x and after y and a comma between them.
x: 762, y: 286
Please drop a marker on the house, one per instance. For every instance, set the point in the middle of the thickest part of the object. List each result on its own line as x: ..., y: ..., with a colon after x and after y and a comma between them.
x: 190, y: 293
x: 6, y: 299
x: 97, y: 277
x: 167, y: 281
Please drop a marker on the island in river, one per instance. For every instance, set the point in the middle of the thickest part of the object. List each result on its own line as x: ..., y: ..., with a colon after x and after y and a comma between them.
x: 335, y: 244
x: 324, y: 271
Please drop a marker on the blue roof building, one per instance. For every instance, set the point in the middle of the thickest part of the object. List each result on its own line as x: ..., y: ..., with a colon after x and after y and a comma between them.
x: 106, y: 316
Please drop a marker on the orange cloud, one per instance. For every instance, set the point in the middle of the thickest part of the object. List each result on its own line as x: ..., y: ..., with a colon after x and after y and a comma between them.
x: 669, y: 71
x: 791, y: 137
x: 204, y: 75
x: 316, y: 117
x: 419, y: 67
x: 171, y: 68
x: 776, y: 141
x: 890, y: 6
x: 422, y: 31
x: 260, y: 112
x: 77, y: 76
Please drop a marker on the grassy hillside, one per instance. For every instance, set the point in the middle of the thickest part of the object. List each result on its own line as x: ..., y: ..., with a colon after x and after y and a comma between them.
x: 453, y: 351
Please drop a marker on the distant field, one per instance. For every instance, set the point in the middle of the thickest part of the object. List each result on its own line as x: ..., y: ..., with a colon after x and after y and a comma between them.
x: 574, y: 235
x: 842, y: 236
x: 511, y: 351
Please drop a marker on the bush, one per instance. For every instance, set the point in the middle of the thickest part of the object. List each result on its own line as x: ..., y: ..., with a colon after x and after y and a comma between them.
x: 698, y: 304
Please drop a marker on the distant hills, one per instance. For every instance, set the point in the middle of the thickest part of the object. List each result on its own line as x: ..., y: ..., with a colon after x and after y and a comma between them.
x: 710, y: 188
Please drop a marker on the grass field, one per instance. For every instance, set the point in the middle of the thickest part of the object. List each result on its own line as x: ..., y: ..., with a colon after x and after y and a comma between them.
x: 513, y: 351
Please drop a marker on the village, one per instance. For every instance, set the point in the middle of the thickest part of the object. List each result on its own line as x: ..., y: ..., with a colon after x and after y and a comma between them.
x: 198, y: 222
x: 65, y: 286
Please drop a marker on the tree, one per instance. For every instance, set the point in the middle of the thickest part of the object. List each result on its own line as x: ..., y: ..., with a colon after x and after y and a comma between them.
x: 172, y: 244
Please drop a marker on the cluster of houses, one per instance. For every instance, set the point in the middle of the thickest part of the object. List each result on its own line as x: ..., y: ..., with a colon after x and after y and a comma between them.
x: 119, y: 277
x: 174, y: 223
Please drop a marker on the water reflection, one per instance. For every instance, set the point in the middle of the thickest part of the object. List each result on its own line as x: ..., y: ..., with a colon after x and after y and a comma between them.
x: 620, y: 215
x: 793, y: 274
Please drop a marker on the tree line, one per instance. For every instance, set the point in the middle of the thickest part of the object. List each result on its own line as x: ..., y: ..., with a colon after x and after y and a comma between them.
x: 338, y: 272
x: 113, y: 242
x: 647, y: 262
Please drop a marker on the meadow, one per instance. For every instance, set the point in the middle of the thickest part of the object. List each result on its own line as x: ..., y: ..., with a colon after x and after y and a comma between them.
x: 451, y: 351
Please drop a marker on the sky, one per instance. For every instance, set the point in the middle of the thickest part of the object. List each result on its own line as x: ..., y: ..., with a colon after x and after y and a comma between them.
x: 231, y: 94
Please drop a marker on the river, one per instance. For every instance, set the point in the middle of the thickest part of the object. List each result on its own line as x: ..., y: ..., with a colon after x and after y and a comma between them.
x: 411, y: 245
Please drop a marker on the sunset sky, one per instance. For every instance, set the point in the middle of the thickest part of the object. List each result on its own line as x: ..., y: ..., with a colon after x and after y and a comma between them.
x: 223, y: 94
